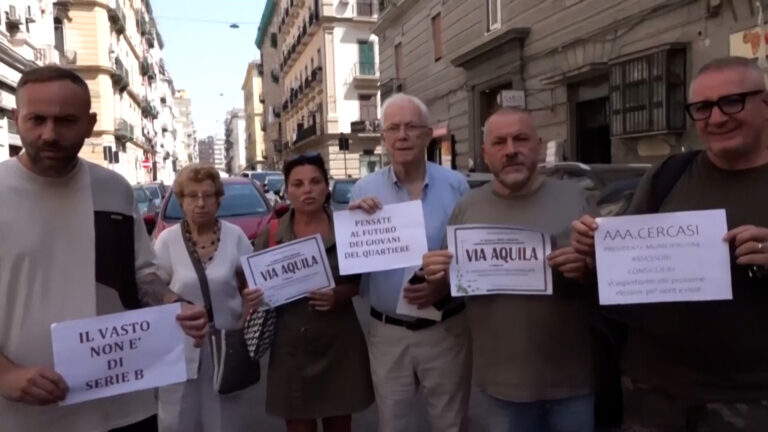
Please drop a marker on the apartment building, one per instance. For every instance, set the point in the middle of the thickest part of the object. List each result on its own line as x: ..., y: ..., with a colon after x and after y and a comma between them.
x: 328, y: 73
x: 269, y: 45
x: 605, y: 81
x: 186, y: 145
x: 235, y: 141
x: 206, y: 151
x: 257, y: 154
x: 116, y: 46
x: 26, y: 40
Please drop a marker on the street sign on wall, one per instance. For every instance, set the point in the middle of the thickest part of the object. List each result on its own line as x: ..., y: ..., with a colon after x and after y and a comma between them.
x: 512, y: 98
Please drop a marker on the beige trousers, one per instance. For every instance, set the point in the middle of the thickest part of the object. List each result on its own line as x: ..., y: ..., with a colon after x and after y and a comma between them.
x: 436, y: 361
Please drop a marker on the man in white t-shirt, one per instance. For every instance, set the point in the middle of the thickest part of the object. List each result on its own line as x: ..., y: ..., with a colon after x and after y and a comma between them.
x: 73, y: 246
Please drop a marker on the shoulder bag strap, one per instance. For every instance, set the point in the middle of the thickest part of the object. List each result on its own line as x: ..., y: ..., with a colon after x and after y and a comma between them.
x: 273, y: 225
x: 200, y: 275
x: 666, y: 177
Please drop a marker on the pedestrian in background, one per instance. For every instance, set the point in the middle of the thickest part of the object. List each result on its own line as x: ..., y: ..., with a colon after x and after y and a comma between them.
x: 73, y: 245
x: 194, y: 405
x: 703, y: 366
x: 406, y: 354
x: 532, y: 354
x: 318, y: 365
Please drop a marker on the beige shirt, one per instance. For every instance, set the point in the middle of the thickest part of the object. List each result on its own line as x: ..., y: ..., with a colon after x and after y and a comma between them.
x: 47, y: 268
x: 530, y: 347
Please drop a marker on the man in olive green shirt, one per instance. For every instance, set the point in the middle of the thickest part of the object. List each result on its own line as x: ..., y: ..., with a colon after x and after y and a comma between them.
x: 532, y: 354
x: 703, y: 366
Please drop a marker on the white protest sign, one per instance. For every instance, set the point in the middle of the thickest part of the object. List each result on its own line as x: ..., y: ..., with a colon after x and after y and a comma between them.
x: 665, y: 257
x: 392, y: 238
x: 497, y: 259
x: 119, y: 353
x: 289, y: 271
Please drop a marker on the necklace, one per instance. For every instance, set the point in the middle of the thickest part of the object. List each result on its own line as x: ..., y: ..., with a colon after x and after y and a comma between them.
x: 204, y: 253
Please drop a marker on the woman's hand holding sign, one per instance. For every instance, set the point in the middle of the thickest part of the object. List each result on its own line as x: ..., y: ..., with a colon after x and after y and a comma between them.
x: 583, y: 236
x: 194, y: 322
x: 253, y: 298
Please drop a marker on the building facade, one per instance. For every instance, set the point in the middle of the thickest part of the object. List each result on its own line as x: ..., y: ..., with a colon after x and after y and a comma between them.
x: 605, y: 81
x: 235, y: 141
x: 116, y: 46
x: 256, y: 153
x: 269, y: 45
x: 26, y: 41
x: 186, y: 145
x: 327, y: 62
x: 206, y: 151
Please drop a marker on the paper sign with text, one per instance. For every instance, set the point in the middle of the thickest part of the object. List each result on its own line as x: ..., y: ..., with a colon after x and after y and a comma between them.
x: 119, y: 353
x: 665, y: 257
x: 498, y: 259
x: 289, y: 271
x: 392, y: 238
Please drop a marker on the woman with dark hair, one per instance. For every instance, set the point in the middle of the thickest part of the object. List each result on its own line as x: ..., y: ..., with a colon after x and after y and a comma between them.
x: 318, y: 366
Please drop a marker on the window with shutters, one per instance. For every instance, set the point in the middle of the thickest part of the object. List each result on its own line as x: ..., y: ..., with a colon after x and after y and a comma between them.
x: 647, y: 94
x: 368, y: 107
x: 437, y: 36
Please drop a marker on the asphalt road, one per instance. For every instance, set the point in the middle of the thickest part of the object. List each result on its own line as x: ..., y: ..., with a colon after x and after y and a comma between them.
x: 366, y: 421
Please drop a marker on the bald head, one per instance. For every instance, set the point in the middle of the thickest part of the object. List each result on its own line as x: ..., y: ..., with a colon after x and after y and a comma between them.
x: 505, y: 114
x: 747, y: 68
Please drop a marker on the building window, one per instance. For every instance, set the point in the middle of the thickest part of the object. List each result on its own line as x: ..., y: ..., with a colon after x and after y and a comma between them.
x: 647, y: 94
x: 437, y: 36
x: 493, y: 7
x: 366, y: 58
x: 273, y: 40
x: 58, y: 34
x: 398, y: 60
x: 368, y: 110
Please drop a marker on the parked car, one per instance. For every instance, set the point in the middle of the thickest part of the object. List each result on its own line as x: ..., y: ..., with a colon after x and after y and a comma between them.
x: 156, y: 192
x: 144, y: 200
x: 341, y: 193
x: 243, y: 204
x: 260, y: 176
x: 274, y: 184
x: 611, y: 186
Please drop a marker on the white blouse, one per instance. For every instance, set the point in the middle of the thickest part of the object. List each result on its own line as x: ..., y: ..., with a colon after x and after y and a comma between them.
x: 175, y: 268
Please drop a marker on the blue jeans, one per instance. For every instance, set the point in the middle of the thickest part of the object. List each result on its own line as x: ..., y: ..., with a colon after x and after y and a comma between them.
x: 574, y: 414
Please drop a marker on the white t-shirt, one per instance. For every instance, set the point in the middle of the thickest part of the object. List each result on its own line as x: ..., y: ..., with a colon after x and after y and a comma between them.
x: 175, y: 268
x: 47, y: 275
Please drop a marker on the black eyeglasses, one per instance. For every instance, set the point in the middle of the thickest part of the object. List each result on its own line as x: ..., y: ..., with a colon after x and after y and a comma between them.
x: 728, y: 105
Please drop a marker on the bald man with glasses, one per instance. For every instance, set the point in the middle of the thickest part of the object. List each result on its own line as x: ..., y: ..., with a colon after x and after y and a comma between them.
x: 703, y: 366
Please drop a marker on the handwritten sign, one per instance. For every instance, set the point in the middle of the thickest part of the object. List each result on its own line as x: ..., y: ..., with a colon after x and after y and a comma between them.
x: 666, y: 257
x: 289, y: 271
x: 496, y: 259
x: 119, y: 353
x: 392, y: 238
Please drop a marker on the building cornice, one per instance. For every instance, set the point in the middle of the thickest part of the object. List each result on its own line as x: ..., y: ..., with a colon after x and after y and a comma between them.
x: 486, y: 44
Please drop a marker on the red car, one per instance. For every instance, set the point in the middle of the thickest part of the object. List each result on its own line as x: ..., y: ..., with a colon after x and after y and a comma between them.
x: 243, y: 204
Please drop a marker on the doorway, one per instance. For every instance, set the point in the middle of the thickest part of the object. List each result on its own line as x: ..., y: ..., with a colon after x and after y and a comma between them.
x: 593, y: 131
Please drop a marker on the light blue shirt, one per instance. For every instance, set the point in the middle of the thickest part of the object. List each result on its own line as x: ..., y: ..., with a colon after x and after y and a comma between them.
x: 442, y: 190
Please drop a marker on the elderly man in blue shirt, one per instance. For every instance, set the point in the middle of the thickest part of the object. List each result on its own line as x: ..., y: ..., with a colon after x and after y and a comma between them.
x: 406, y: 353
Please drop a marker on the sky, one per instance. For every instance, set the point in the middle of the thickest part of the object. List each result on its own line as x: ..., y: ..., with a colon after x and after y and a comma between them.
x: 205, y: 56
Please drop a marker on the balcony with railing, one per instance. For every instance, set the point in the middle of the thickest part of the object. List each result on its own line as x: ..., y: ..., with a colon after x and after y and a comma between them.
x: 365, y: 126
x: 116, y: 19
x: 303, y: 134
x: 364, y: 76
x: 119, y: 77
x: 305, y: 91
x: 293, y: 47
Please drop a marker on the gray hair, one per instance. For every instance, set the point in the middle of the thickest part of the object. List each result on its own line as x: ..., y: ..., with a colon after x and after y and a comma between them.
x: 723, y: 63
x: 500, y: 111
x: 402, y: 98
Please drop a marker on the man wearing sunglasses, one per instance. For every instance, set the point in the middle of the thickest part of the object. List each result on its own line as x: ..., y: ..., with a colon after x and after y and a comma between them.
x: 703, y: 366
x: 406, y: 353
